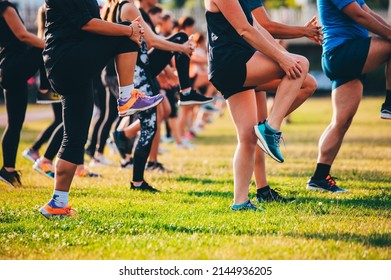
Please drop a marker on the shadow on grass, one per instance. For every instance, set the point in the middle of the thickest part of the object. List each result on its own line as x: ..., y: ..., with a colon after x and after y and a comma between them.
x: 203, y: 181
x: 376, y: 202
x: 376, y: 240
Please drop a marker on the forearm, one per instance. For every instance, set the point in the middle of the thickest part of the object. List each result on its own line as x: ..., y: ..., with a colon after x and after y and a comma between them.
x: 32, y: 40
x: 107, y: 28
x: 380, y: 19
x: 283, y: 31
x: 371, y: 23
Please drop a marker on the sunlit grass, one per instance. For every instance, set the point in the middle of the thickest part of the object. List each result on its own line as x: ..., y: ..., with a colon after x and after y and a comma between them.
x: 191, y: 218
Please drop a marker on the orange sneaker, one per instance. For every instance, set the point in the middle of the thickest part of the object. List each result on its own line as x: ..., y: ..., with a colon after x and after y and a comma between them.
x: 50, y: 210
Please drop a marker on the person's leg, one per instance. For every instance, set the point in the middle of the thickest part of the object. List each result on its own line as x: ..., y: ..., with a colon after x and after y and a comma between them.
x: 380, y: 53
x: 243, y: 162
x: 261, y: 69
x: 47, y: 133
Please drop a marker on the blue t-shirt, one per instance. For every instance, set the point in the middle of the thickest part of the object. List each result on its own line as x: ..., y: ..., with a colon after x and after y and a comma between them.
x: 337, y: 26
x: 253, y: 4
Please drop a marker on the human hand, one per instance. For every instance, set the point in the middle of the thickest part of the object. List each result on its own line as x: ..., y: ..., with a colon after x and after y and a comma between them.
x: 188, y: 47
x: 290, y: 65
x: 137, y: 31
x: 314, y: 31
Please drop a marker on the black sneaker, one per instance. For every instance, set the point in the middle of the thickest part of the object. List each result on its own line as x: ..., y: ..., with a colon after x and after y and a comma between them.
x: 121, y: 143
x: 193, y: 98
x: 385, y: 112
x: 325, y: 185
x: 143, y: 187
x: 10, y: 178
x: 48, y: 97
x: 269, y: 195
x: 156, y: 166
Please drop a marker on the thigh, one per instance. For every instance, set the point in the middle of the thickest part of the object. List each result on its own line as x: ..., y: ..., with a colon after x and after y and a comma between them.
x: 244, y: 122
x: 262, y: 69
x: 379, y: 52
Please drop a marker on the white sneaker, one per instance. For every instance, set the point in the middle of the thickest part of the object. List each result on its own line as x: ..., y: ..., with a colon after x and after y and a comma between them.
x: 100, y: 161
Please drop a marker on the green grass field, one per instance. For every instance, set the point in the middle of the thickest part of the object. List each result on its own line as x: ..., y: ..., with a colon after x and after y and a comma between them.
x: 191, y: 218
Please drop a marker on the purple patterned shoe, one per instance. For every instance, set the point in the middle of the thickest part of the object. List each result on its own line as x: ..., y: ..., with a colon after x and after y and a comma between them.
x: 137, y: 102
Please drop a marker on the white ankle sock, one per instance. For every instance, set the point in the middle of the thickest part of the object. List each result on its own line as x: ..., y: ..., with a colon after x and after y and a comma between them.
x: 186, y: 92
x: 125, y: 92
x: 60, y: 198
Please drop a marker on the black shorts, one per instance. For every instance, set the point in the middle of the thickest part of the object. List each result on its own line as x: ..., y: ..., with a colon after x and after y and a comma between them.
x: 231, y: 75
x: 346, y: 62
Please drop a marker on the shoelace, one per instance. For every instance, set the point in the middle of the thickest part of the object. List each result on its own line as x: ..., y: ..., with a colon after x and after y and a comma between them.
x: 138, y: 94
x: 17, y: 174
x: 331, y: 181
x: 278, y: 139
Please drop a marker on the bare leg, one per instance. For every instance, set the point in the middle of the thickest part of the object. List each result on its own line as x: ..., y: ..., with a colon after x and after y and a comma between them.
x: 64, y: 175
x: 125, y: 64
x: 243, y: 161
x: 345, y: 99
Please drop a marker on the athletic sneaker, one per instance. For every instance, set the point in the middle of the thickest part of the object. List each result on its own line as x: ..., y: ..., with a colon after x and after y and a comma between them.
x: 269, y: 195
x: 137, y: 102
x: 269, y: 141
x: 143, y: 187
x: 45, y: 168
x: 127, y: 163
x: 31, y: 155
x: 156, y: 166
x: 49, y: 97
x: 385, y: 112
x: 326, y: 185
x: 50, y: 210
x: 248, y: 205
x: 193, y: 98
x: 209, y: 108
x: 10, y: 178
x: 86, y: 173
x: 121, y: 143
x: 100, y: 160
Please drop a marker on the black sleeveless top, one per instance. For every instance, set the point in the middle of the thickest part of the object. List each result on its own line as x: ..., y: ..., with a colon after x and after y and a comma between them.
x: 8, y: 41
x: 224, y: 41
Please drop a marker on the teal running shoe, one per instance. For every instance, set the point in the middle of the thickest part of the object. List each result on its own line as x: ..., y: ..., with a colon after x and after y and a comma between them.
x: 269, y: 141
x: 245, y: 206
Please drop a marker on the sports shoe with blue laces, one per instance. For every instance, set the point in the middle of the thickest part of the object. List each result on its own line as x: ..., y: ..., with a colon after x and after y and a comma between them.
x: 269, y: 141
x: 248, y: 205
x: 326, y: 185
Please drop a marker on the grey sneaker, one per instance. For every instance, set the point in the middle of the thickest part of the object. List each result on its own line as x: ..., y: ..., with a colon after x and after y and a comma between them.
x: 137, y: 102
x: 325, y: 185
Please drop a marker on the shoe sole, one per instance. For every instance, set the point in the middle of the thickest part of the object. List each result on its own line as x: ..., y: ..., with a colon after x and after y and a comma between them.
x: 263, y: 145
x: 48, y: 101
x: 45, y: 213
x: 5, y: 181
x: 315, y: 188
x: 134, y: 111
x: 385, y: 116
x: 36, y: 168
x: 26, y: 156
x: 184, y: 103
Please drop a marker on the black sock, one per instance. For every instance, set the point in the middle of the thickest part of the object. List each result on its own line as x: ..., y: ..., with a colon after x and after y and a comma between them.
x: 387, y: 101
x: 321, y: 171
x: 263, y: 190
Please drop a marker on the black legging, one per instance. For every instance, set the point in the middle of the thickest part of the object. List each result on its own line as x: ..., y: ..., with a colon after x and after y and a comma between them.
x: 54, y: 142
x: 47, y: 133
x: 158, y: 60
x: 107, y: 104
x: 16, y: 69
x: 72, y: 78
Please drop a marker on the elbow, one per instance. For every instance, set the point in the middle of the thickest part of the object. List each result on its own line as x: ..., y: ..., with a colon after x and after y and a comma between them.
x: 23, y: 37
x: 245, y: 31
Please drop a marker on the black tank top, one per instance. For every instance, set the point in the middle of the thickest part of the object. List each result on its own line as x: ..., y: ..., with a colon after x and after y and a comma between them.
x: 224, y: 41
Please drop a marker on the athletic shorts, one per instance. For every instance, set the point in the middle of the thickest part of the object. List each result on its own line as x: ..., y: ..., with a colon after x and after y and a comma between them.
x: 231, y: 76
x: 346, y: 62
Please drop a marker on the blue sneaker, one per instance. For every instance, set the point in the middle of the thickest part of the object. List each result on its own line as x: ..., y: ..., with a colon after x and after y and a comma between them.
x: 325, y: 185
x: 245, y: 206
x: 269, y: 141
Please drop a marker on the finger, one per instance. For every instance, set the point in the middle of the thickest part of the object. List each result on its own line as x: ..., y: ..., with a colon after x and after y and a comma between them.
x: 137, y: 19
